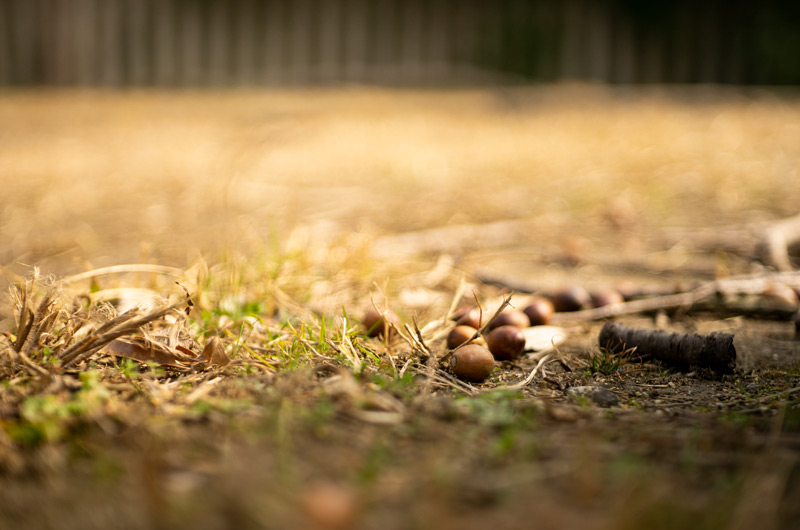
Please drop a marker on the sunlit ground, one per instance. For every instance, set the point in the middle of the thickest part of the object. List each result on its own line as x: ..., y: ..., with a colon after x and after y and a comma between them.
x: 305, y: 205
x: 96, y: 178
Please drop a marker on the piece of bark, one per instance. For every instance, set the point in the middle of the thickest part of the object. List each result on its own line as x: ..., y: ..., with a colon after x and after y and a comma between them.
x: 682, y: 351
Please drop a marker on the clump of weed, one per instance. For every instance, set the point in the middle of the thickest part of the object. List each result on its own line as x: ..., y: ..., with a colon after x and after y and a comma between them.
x: 606, y: 362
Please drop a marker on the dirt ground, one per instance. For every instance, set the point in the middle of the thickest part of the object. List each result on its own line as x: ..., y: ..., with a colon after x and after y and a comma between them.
x: 285, y: 214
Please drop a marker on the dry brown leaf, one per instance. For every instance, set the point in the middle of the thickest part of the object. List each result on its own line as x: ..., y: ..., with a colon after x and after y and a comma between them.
x: 148, y: 351
x: 214, y: 352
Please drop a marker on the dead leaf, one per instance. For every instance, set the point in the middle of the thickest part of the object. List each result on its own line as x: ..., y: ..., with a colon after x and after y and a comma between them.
x: 143, y: 350
x: 214, y: 352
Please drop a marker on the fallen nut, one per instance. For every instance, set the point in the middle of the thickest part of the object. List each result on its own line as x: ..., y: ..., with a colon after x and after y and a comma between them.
x: 460, y: 334
x: 376, y: 325
x: 539, y: 311
x: 607, y: 297
x: 472, y: 363
x: 511, y: 317
x: 572, y: 298
x: 468, y: 316
x: 506, y: 343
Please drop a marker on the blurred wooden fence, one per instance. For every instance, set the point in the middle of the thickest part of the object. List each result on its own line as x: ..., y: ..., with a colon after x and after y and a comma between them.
x: 273, y: 42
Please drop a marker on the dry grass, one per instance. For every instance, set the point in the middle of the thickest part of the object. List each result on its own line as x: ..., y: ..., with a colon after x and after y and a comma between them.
x: 110, y: 178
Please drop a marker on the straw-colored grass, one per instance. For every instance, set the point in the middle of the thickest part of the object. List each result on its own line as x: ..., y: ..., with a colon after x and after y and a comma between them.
x: 111, y: 178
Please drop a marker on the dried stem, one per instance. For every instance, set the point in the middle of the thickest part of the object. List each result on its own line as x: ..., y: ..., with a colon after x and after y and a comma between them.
x: 123, y: 325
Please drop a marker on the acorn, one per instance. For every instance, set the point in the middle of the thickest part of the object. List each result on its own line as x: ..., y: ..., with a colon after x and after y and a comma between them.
x: 511, y: 317
x: 607, y: 297
x: 468, y: 316
x: 539, y: 310
x: 572, y: 298
x: 374, y: 322
x: 506, y: 343
x: 461, y: 334
x: 472, y: 363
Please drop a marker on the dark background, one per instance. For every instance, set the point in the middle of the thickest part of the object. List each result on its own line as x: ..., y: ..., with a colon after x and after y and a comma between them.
x: 396, y: 42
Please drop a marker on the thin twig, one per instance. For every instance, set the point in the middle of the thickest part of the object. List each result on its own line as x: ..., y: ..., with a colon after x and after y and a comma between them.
x: 525, y: 382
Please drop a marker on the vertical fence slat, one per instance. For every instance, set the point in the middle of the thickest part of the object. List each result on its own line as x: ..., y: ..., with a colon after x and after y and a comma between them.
x: 274, y: 42
x: 5, y: 45
x: 47, y: 56
x: 355, y: 40
x: 329, y: 51
x: 682, y: 56
x: 547, y: 15
x: 411, y: 40
x: 571, y: 60
x: 20, y: 37
x: 85, y: 45
x: 597, y: 44
x: 707, y: 45
x: 218, y: 41
x: 190, y: 24
x: 244, y: 42
x: 463, y: 44
x: 301, y: 38
x: 138, y: 36
x: 63, y: 52
x: 111, y: 43
x: 651, y: 58
x: 382, y: 41
x: 164, y: 52
x: 439, y: 25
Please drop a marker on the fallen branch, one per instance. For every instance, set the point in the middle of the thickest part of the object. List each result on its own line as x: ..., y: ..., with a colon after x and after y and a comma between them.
x: 682, y: 351
x: 749, y: 284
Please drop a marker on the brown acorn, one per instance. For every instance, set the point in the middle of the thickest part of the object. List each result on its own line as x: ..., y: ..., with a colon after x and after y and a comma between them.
x: 511, y: 317
x: 472, y: 363
x: 539, y: 311
x: 572, y: 298
x: 460, y: 334
x: 374, y: 323
x: 607, y: 297
x: 468, y: 316
x: 506, y: 343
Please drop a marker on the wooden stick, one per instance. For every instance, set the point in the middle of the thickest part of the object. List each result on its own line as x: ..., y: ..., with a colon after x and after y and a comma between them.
x: 682, y: 351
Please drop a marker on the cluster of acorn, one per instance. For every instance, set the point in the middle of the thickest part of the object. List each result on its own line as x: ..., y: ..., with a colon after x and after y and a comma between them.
x: 504, y: 339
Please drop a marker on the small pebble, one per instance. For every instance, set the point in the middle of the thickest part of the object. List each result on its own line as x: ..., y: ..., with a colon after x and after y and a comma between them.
x: 599, y: 395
